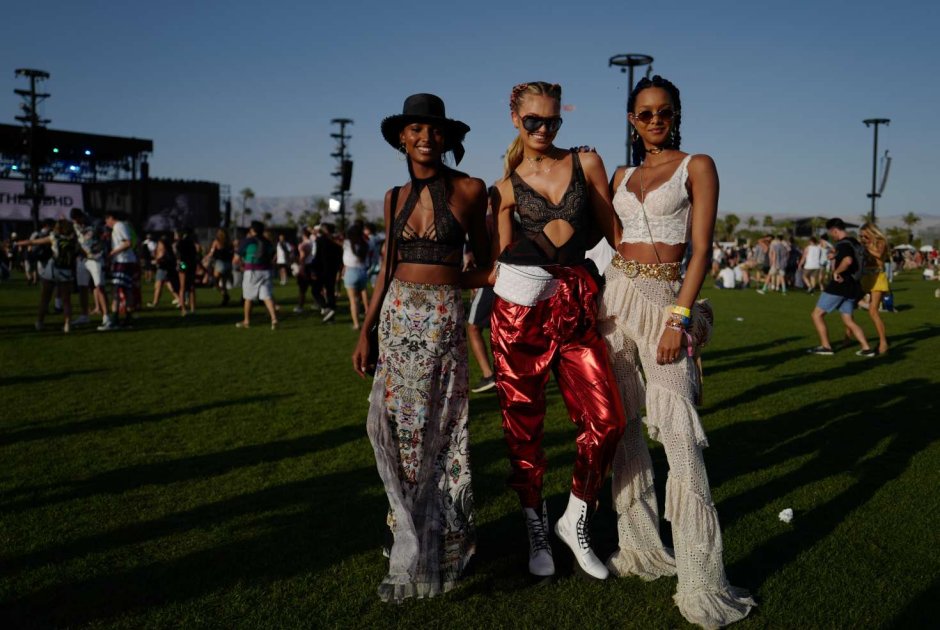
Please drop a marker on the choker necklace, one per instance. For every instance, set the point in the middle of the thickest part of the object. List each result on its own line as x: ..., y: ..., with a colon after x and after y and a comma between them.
x: 655, y: 150
x: 535, y: 161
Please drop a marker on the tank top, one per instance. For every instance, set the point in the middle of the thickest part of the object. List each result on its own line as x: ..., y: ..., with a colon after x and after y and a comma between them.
x: 534, y: 212
x: 667, y: 209
x: 442, y: 242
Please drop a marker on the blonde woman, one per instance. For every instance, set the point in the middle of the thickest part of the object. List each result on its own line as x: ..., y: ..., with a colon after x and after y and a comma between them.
x: 543, y: 320
x: 874, y: 279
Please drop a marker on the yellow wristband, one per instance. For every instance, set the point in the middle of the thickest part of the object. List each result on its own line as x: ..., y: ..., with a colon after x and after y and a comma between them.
x: 681, y: 310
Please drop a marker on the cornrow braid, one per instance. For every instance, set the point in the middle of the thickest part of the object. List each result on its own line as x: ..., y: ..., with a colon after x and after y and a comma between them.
x: 639, y: 149
x: 539, y: 88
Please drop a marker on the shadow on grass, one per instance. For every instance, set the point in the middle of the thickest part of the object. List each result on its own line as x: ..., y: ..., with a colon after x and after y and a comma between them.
x: 54, y: 430
x: 900, y: 346
x: 41, y: 378
x: 179, y: 470
x: 291, y: 533
x: 871, y: 436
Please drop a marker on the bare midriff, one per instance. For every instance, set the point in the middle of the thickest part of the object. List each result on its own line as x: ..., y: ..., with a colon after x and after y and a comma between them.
x: 427, y: 274
x: 645, y: 253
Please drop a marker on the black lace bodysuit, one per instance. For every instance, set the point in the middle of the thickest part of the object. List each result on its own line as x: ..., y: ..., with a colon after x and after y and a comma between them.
x: 533, y: 212
x: 442, y: 243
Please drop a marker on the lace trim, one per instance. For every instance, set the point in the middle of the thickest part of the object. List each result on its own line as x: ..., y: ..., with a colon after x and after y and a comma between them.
x: 442, y: 241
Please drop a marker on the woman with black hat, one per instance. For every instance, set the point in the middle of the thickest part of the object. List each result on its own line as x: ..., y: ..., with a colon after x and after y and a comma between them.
x: 418, y: 415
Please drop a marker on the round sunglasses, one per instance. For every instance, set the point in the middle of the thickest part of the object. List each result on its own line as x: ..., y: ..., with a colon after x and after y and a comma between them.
x: 534, y: 123
x: 646, y: 117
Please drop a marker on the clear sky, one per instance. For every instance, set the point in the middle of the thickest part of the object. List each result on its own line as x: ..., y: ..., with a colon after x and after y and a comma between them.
x: 242, y: 93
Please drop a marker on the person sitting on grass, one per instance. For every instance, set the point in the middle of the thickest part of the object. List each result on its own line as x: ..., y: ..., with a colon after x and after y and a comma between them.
x: 842, y: 292
x: 256, y: 254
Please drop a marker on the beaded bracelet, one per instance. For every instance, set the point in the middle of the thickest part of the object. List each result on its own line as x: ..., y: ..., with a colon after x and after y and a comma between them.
x: 679, y: 320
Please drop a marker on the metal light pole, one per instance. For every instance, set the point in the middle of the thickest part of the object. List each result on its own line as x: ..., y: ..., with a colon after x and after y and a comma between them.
x: 344, y: 172
x: 627, y: 62
x: 874, y: 194
x: 32, y: 123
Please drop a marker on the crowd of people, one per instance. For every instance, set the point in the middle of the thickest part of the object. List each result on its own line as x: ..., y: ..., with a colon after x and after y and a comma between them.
x: 95, y: 258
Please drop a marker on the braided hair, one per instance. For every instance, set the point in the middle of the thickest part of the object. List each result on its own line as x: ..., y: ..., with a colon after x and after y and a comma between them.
x: 675, y: 137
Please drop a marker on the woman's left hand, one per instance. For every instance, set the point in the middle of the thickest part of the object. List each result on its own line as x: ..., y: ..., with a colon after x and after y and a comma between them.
x: 670, y: 345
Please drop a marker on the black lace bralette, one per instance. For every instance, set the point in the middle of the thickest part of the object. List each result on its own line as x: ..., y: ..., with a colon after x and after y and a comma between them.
x: 442, y: 243
x: 534, y: 212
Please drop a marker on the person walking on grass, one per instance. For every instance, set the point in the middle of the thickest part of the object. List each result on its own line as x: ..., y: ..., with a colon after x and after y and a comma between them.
x: 257, y: 256
x: 59, y: 271
x: 125, y: 270
x: 843, y: 291
x: 874, y: 279
x: 89, y: 242
x: 809, y: 263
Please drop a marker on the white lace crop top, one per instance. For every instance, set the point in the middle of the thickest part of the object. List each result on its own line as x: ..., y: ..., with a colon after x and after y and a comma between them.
x: 667, y: 209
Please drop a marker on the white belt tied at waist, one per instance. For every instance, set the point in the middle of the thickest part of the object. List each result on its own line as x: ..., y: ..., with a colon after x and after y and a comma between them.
x: 524, y: 285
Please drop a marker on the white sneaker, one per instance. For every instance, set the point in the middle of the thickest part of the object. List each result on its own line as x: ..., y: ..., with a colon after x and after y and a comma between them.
x: 330, y: 314
x: 541, y: 563
x: 572, y: 529
x: 107, y: 324
x: 66, y: 328
x: 81, y: 320
x: 298, y: 309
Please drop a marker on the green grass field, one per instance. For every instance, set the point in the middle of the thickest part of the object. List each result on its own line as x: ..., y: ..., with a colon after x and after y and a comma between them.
x: 186, y: 473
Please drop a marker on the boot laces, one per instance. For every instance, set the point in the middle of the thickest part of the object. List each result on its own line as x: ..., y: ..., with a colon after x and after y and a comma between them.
x: 538, y: 535
x: 584, y: 536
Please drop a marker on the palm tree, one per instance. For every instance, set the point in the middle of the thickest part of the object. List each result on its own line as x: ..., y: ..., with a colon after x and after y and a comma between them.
x: 731, y: 223
x: 246, y: 193
x: 290, y: 219
x: 359, y: 210
x: 768, y: 221
x: 910, y: 220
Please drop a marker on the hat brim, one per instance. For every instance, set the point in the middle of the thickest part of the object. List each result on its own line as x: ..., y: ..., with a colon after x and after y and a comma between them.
x: 454, y: 130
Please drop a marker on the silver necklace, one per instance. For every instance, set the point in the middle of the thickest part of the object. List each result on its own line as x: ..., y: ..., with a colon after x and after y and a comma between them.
x: 538, y: 159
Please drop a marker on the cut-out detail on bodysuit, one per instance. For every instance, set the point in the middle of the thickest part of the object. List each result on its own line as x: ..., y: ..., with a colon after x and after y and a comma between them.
x: 442, y: 242
x: 533, y: 212
x: 667, y: 209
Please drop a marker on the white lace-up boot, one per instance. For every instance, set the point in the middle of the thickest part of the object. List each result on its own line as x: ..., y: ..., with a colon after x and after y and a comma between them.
x: 572, y: 529
x: 541, y: 563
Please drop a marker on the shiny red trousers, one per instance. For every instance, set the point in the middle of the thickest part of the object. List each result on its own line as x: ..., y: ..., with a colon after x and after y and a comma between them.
x: 557, y: 334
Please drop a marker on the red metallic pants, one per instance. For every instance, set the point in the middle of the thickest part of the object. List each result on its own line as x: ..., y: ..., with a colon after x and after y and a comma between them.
x: 556, y: 334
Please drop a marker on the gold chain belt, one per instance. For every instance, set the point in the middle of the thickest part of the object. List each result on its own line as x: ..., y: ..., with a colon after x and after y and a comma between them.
x: 667, y: 272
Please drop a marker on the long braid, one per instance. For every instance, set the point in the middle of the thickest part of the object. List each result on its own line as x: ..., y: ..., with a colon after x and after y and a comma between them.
x: 540, y: 88
x: 639, y: 149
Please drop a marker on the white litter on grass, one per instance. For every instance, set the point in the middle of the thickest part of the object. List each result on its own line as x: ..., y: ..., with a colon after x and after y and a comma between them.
x: 786, y: 516
x: 739, y: 319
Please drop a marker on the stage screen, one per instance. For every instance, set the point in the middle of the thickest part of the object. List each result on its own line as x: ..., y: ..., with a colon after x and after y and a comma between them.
x: 58, y: 201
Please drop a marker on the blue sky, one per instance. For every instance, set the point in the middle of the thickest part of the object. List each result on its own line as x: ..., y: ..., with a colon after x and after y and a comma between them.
x: 242, y: 93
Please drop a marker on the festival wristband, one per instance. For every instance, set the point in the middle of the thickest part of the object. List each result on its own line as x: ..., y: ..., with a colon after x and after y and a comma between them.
x: 681, y: 310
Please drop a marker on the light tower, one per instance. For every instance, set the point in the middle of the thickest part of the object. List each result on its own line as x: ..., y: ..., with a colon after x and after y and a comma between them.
x: 32, y: 126
x: 627, y: 62
x: 343, y: 173
x: 874, y: 194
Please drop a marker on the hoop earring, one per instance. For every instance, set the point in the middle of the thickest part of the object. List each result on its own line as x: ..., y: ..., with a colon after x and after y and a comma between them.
x: 672, y: 138
x: 402, y: 154
x: 633, y: 134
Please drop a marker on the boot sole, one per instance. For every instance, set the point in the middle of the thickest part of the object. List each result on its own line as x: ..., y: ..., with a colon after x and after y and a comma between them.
x: 577, y: 569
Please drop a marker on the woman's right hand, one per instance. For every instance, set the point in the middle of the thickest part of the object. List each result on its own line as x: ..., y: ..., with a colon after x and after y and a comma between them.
x: 360, y: 357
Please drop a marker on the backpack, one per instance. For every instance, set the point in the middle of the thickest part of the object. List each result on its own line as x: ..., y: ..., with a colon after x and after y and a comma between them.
x: 858, y: 257
x: 64, y: 251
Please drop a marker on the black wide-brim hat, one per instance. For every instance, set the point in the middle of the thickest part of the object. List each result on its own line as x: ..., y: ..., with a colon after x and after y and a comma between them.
x: 426, y: 108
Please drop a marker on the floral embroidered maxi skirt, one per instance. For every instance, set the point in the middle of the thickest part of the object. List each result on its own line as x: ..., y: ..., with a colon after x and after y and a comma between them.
x: 418, y: 428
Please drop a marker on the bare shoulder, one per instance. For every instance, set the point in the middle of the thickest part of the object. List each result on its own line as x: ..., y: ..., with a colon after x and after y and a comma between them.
x: 702, y: 164
x: 591, y: 161
x: 468, y: 186
x: 619, y: 174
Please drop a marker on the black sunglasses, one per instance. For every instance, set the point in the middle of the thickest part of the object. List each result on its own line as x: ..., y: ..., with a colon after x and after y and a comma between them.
x: 534, y: 123
x: 647, y: 117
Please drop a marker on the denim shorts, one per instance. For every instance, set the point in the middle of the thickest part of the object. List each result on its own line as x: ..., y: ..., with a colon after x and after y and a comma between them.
x: 356, y: 278
x: 829, y: 302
